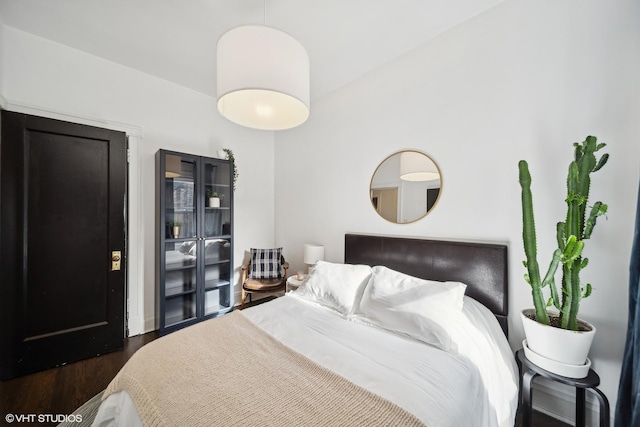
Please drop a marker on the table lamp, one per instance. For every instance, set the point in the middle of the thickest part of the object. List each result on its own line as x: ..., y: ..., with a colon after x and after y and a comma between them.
x: 312, y: 254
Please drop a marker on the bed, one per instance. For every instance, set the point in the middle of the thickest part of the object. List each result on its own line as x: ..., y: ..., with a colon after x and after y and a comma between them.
x: 404, y: 332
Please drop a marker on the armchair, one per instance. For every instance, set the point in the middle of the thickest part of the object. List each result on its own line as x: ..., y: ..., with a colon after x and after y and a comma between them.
x: 262, y: 285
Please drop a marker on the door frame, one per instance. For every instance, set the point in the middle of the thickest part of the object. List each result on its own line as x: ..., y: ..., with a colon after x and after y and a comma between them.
x: 134, y: 288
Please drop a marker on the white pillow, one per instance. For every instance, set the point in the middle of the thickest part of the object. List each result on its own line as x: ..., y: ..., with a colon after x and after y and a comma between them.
x: 411, y: 306
x: 337, y: 286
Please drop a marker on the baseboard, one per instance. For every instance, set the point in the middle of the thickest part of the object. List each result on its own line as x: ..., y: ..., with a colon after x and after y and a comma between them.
x: 135, y: 326
x: 150, y: 325
x: 558, y: 401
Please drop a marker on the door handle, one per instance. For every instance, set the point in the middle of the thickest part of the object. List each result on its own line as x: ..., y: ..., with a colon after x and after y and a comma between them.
x: 116, y: 256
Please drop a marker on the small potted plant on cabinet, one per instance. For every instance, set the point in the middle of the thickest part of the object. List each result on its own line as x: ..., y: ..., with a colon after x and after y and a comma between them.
x: 214, y: 198
x: 561, y: 340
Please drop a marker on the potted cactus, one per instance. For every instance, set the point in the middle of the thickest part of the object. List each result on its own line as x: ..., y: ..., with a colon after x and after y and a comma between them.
x: 573, y: 334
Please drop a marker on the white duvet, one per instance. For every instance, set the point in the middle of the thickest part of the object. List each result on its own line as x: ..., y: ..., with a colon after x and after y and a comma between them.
x: 475, y: 386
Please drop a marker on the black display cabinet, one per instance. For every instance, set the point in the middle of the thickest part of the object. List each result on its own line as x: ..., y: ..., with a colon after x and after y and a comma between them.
x: 194, y: 255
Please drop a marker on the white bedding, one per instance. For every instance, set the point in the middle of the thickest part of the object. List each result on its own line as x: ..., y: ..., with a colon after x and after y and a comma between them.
x: 476, y: 387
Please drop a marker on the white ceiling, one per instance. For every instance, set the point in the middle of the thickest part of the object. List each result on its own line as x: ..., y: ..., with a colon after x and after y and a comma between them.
x: 176, y: 39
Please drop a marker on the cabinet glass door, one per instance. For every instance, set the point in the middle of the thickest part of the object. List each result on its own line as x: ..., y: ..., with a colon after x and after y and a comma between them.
x: 217, y: 233
x: 217, y: 263
x: 180, y: 249
x: 180, y: 281
x: 217, y: 186
x: 180, y: 198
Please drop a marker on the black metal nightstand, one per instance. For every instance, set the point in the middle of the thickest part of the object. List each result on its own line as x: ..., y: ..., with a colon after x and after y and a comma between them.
x: 528, y: 371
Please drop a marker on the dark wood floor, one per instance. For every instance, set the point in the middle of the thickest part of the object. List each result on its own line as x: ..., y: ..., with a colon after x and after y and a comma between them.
x: 64, y: 389
x: 541, y: 420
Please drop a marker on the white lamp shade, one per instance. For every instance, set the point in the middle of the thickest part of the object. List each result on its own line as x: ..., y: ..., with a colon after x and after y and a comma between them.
x: 313, y: 253
x: 262, y: 78
x: 415, y: 166
x: 173, y: 166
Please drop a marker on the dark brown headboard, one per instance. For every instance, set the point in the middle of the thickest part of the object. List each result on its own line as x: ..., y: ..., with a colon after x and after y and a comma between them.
x: 481, y: 266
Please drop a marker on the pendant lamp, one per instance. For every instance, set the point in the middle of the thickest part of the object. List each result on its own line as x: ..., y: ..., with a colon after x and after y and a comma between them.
x: 262, y: 78
x: 173, y: 166
x: 415, y: 166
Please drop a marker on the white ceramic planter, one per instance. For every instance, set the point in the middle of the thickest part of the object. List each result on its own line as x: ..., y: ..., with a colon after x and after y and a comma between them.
x: 561, y: 345
x: 214, y: 202
x: 571, y: 371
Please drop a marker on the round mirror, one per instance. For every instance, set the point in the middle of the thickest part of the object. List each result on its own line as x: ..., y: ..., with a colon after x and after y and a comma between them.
x: 405, y: 187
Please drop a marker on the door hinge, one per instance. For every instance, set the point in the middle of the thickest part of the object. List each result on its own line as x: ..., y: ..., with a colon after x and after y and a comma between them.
x: 128, y: 155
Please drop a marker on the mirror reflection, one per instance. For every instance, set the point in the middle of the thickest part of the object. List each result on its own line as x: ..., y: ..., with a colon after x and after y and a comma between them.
x: 405, y: 187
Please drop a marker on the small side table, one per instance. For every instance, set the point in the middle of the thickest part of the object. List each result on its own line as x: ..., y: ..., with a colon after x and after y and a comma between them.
x: 293, y: 282
x: 528, y: 371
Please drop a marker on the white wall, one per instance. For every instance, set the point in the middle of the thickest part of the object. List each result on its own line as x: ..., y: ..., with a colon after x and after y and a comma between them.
x: 521, y: 81
x: 52, y: 77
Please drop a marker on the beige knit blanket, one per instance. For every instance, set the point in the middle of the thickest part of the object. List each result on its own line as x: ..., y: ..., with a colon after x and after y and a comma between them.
x: 228, y: 371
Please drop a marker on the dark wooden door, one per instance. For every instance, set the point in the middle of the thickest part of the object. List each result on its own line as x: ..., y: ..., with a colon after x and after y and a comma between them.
x: 62, y: 212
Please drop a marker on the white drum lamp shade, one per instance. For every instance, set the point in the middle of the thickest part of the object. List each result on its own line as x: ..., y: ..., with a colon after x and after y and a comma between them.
x: 415, y: 166
x: 262, y: 78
